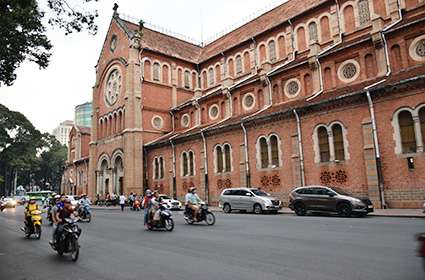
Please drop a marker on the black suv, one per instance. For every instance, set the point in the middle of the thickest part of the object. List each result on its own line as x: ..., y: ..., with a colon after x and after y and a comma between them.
x: 328, y: 199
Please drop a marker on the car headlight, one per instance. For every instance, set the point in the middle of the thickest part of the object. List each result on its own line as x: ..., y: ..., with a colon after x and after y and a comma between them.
x: 357, y: 201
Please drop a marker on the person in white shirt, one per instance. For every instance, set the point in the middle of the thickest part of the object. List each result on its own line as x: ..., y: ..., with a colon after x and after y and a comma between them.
x: 122, y: 201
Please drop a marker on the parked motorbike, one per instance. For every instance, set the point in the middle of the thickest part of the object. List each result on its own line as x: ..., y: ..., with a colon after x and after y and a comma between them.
x: 33, y: 228
x: 84, y: 213
x: 68, y: 240
x: 165, y: 220
x: 203, y: 215
x: 421, y: 249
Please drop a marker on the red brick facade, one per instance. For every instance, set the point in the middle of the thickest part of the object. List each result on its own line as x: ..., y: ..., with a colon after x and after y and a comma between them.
x: 169, y: 114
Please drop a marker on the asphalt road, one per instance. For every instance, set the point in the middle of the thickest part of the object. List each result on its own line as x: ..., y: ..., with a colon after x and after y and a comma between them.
x: 239, y: 246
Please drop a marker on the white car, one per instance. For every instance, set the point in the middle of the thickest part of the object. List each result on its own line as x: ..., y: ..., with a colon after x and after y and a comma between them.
x: 170, y: 203
x: 74, y: 199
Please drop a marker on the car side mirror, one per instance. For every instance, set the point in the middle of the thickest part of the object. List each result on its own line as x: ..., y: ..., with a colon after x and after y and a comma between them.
x: 248, y: 194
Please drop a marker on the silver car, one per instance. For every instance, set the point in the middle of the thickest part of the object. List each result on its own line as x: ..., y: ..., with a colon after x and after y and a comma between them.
x: 248, y: 199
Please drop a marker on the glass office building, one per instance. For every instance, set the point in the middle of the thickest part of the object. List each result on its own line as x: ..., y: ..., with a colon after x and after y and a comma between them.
x: 83, y: 114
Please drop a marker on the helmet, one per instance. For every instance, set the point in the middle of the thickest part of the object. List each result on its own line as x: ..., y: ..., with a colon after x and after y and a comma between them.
x: 148, y: 192
x: 67, y: 200
x: 57, y: 196
x: 191, y: 189
x: 31, y: 200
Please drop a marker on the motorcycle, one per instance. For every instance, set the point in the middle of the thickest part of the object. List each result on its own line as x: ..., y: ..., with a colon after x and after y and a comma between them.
x: 84, y: 213
x: 421, y: 249
x: 165, y: 220
x: 49, y: 214
x: 68, y: 240
x: 203, y: 215
x: 33, y: 228
x: 136, y: 205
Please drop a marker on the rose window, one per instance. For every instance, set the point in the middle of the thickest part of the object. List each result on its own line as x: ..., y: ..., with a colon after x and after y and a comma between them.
x: 349, y: 71
x: 420, y: 48
x: 113, y: 87
x: 292, y: 88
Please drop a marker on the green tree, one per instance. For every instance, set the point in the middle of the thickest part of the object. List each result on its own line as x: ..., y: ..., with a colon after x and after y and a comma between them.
x: 23, y: 35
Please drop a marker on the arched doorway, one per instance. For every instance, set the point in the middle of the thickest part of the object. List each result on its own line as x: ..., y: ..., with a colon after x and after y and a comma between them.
x: 118, y: 175
x: 102, y: 186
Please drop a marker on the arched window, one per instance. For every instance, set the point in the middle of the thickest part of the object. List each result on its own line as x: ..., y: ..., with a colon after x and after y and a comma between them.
x: 364, y: 14
x: 338, y: 142
x: 282, y: 47
x: 187, y: 79
x: 156, y: 168
x: 263, y: 55
x: 204, y: 79
x: 218, y: 73
x: 147, y: 70
x: 396, y: 61
x: 219, y: 155
x: 227, y: 158
x: 231, y: 68
x: 312, y: 32
x: 239, y: 69
x: 308, y: 87
x: 161, y: 168
x: 407, y: 132
x: 301, y: 45
x: 323, y: 137
x: 194, y: 80
x: 422, y: 121
x: 191, y: 164
x: 325, y: 29
x: 370, y: 66
x: 328, y: 78
x: 274, y: 148
x: 100, y: 135
x: 349, y: 23
x: 210, y: 77
x: 156, y: 68
x: 272, y: 51
x: 185, y: 164
x: 179, y: 77
x: 264, y: 153
x: 165, y: 74
x: 247, y: 62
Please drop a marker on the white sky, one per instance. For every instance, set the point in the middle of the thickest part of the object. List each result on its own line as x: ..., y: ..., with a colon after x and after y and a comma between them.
x: 48, y: 97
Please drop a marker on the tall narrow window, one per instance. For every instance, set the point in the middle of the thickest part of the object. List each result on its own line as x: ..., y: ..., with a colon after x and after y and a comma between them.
x: 396, y: 58
x: 161, y: 168
x: 338, y: 142
x: 364, y: 13
x: 247, y: 61
x: 349, y: 23
x: 165, y: 74
x: 263, y: 55
x: 264, y: 153
x: 272, y: 51
x: 422, y: 121
x: 210, y: 77
x: 301, y: 45
x: 239, y: 65
x: 312, y: 31
x: 147, y: 70
x: 185, y: 165
x: 325, y: 29
x: 227, y: 159
x: 156, y: 168
x: 186, y: 79
x: 282, y: 47
x: 322, y: 135
x: 191, y: 164
x: 156, y: 67
x: 219, y: 155
x: 407, y: 132
x: 274, y: 146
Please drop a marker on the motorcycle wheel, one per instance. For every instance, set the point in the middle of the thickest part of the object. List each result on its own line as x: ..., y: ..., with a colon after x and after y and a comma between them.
x: 75, y: 249
x: 37, y: 231
x: 188, y: 221
x: 88, y: 216
x: 210, y: 219
x: 27, y: 233
x: 169, y: 224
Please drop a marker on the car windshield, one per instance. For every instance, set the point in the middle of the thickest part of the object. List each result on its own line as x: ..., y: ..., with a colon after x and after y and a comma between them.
x: 340, y: 191
x: 165, y: 197
x: 259, y: 193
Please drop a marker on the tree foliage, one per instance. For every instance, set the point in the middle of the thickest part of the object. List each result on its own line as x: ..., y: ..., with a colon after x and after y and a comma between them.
x: 23, y: 35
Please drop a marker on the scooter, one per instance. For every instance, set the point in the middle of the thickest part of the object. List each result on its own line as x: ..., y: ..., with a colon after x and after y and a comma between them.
x: 67, y: 242
x: 165, y: 220
x: 203, y: 215
x: 34, y: 228
x: 84, y: 213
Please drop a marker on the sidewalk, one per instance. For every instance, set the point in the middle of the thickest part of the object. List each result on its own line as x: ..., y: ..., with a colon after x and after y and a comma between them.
x: 399, y: 213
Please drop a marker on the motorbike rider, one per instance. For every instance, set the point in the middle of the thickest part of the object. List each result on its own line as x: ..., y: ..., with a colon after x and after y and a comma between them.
x: 61, y: 215
x: 147, y: 204
x: 31, y: 206
x: 193, y: 202
x: 53, y: 212
x: 155, y: 211
x: 85, y: 203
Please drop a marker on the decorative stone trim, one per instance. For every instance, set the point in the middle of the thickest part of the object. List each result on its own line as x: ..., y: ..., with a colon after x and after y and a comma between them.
x: 292, y: 88
x: 157, y: 122
x: 214, y: 112
x: 417, y: 49
x: 185, y: 120
x: 349, y: 71
x: 113, y: 43
x: 248, y: 101
x: 112, y: 88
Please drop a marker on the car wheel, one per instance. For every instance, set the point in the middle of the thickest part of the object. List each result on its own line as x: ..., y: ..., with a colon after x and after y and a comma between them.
x: 344, y: 210
x: 227, y: 208
x: 299, y: 209
x: 258, y: 209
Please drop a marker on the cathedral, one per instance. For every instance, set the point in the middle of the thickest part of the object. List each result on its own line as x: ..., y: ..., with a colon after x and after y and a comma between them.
x: 312, y: 92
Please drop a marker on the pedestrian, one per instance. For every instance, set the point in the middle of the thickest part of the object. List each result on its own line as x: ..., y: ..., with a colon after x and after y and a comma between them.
x: 147, y: 204
x: 122, y: 201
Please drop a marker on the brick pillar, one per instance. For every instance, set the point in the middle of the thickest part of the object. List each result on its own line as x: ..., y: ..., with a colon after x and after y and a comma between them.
x: 370, y: 163
x: 242, y: 167
x: 92, y: 178
x: 295, y: 159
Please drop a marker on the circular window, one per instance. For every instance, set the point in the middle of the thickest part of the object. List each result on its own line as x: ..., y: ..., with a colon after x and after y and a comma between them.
x: 113, y: 87
x: 417, y: 49
x: 113, y: 44
x: 292, y: 88
x: 248, y: 101
x: 348, y: 71
x: 157, y: 122
x: 214, y: 111
x: 185, y: 120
